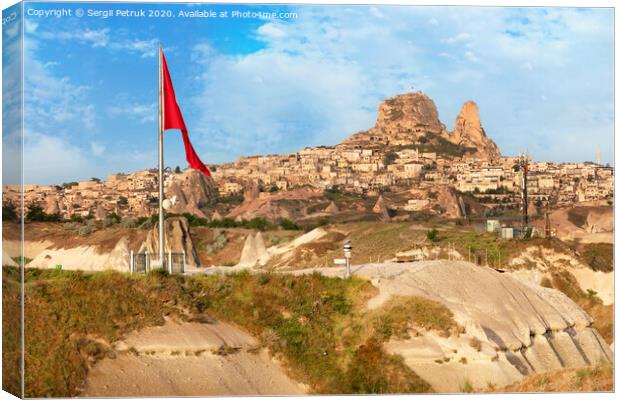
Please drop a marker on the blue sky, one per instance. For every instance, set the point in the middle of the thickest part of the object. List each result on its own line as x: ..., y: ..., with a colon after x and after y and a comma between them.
x: 542, y: 79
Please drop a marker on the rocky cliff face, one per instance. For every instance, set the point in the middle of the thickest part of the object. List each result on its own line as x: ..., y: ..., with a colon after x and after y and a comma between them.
x: 468, y: 132
x: 193, y: 190
x: 411, y: 114
x: 401, y: 119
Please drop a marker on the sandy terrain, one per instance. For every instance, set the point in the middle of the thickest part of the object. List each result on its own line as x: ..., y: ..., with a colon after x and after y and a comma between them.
x: 521, y: 328
x: 189, y: 359
x: 587, y: 224
x: 535, y: 262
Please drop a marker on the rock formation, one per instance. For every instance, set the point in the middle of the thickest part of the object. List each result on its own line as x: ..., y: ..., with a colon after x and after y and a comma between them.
x: 450, y: 202
x: 193, y: 190
x: 402, y: 119
x: 253, y: 251
x: 178, y: 239
x: 332, y: 208
x: 84, y: 257
x: 413, y: 113
x: 216, y: 216
x: 381, y: 209
x: 468, y: 132
x: 405, y: 119
x: 100, y: 213
x: 510, y: 328
x: 51, y: 205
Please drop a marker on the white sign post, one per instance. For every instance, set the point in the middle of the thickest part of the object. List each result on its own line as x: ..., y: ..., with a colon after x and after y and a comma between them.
x: 347, y: 256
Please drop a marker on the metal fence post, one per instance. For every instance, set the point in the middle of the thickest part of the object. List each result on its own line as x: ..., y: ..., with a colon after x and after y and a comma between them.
x: 147, y: 263
x: 183, y: 266
x: 131, y: 267
x: 170, y: 261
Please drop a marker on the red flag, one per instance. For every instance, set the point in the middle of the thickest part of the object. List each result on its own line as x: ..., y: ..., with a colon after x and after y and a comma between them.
x: 173, y: 119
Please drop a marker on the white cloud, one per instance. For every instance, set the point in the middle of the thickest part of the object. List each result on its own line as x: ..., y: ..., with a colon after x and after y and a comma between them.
x: 100, y: 38
x: 267, y: 100
x: 145, y: 48
x: 97, y: 148
x: 13, y: 29
x: 50, y: 159
x: 375, y: 12
x: 31, y: 26
x: 93, y: 37
x: 270, y: 31
x: 459, y: 38
x: 51, y: 99
x: 333, y: 70
x: 143, y: 113
x: 471, y: 56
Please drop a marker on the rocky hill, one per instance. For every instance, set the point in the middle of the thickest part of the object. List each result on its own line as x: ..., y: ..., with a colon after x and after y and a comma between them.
x: 468, y: 132
x: 412, y: 119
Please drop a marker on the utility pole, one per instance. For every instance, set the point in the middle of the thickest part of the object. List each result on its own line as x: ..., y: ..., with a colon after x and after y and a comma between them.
x: 547, y: 223
x: 523, y: 167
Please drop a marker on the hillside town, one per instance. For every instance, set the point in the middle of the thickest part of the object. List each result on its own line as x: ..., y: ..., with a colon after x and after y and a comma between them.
x: 407, y: 150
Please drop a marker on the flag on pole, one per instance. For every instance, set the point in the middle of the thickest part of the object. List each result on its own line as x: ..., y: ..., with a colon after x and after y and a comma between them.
x: 173, y: 119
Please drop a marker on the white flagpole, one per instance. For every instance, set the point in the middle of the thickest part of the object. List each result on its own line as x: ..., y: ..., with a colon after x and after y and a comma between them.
x: 161, y: 158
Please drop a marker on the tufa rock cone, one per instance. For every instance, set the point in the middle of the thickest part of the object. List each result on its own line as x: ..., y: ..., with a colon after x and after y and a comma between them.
x: 216, y: 216
x: 332, y: 208
x: 193, y: 190
x: 100, y: 213
x: 468, y: 132
x: 381, y: 209
x: 51, y: 205
x: 178, y: 239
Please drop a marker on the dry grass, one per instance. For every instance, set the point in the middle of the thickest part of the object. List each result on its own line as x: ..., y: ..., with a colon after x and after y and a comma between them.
x: 597, y: 378
x: 310, y: 322
x: 602, y: 315
x: 402, y: 315
x: 11, y: 331
x: 599, y: 256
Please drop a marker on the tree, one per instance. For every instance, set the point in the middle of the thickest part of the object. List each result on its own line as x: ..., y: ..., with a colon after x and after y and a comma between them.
x: 95, y: 180
x: 69, y: 185
x: 273, y: 189
x: 122, y: 201
x: 177, y: 170
x: 9, y: 212
x: 389, y: 158
x: 36, y: 213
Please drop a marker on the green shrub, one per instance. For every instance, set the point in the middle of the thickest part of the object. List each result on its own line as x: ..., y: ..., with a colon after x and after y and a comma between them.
x: 288, y: 225
x: 432, y: 235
